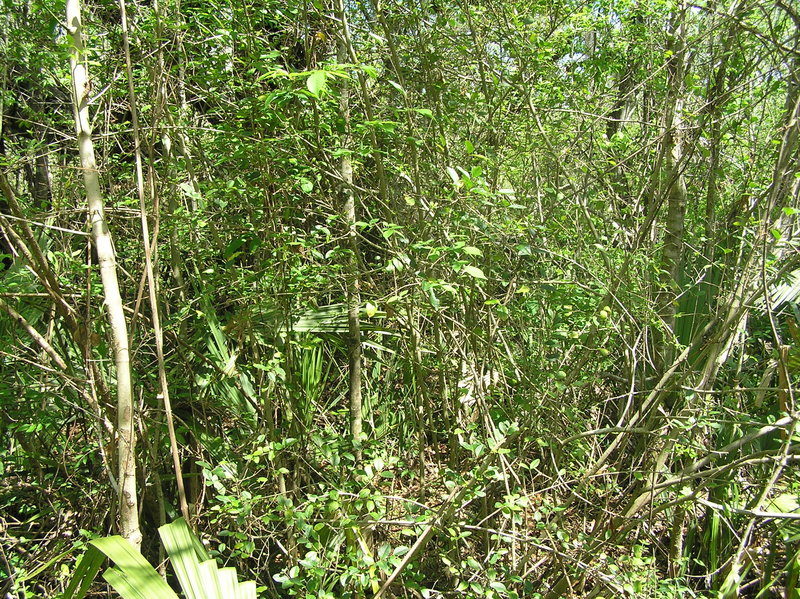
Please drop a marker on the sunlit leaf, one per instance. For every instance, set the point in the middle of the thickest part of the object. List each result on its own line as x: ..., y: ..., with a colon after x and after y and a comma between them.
x: 397, y: 86
x: 317, y: 82
x: 473, y: 271
x: 454, y: 175
x: 785, y: 504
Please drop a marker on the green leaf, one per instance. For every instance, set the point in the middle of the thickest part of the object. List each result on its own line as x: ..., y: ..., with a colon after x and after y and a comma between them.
x: 397, y: 86
x: 785, y: 504
x: 85, y: 572
x: 130, y: 565
x: 132, y: 576
x: 424, y: 112
x: 472, y: 251
x: 432, y: 297
x: 306, y: 185
x: 473, y: 563
x: 129, y: 584
x: 371, y: 71
x: 197, y: 572
x: 469, y: 147
x: 317, y: 82
x: 473, y: 271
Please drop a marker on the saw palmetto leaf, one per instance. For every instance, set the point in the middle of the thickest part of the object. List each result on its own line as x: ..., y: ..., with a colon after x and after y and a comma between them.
x: 132, y: 577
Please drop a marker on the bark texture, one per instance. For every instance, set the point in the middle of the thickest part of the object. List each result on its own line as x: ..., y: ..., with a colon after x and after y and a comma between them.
x: 101, y: 236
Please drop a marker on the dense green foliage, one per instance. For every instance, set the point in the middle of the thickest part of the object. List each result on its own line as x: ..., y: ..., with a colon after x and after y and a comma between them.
x: 573, y: 257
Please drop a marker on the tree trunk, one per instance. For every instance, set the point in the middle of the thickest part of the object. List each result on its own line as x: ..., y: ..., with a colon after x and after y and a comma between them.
x: 126, y: 432
x: 353, y: 287
x: 671, y: 258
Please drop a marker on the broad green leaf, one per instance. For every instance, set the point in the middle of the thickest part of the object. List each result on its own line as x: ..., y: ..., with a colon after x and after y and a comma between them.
x: 246, y: 590
x: 472, y: 251
x: 209, y: 578
x: 785, y: 504
x: 473, y: 271
x: 198, y: 574
x: 227, y: 582
x: 131, y: 584
x: 473, y: 563
x: 132, y: 576
x: 133, y: 567
x: 184, y: 556
x: 317, y: 82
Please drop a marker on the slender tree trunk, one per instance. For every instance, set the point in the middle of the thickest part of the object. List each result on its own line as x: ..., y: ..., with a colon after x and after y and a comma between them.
x: 346, y: 52
x: 671, y: 258
x: 38, y: 175
x: 398, y: 72
x: 716, y: 97
x: 126, y: 432
x: 353, y: 286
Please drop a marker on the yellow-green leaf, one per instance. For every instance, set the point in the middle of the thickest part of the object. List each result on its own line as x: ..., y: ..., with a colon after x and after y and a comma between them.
x: 316, y: 82
x: 473, y: 271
